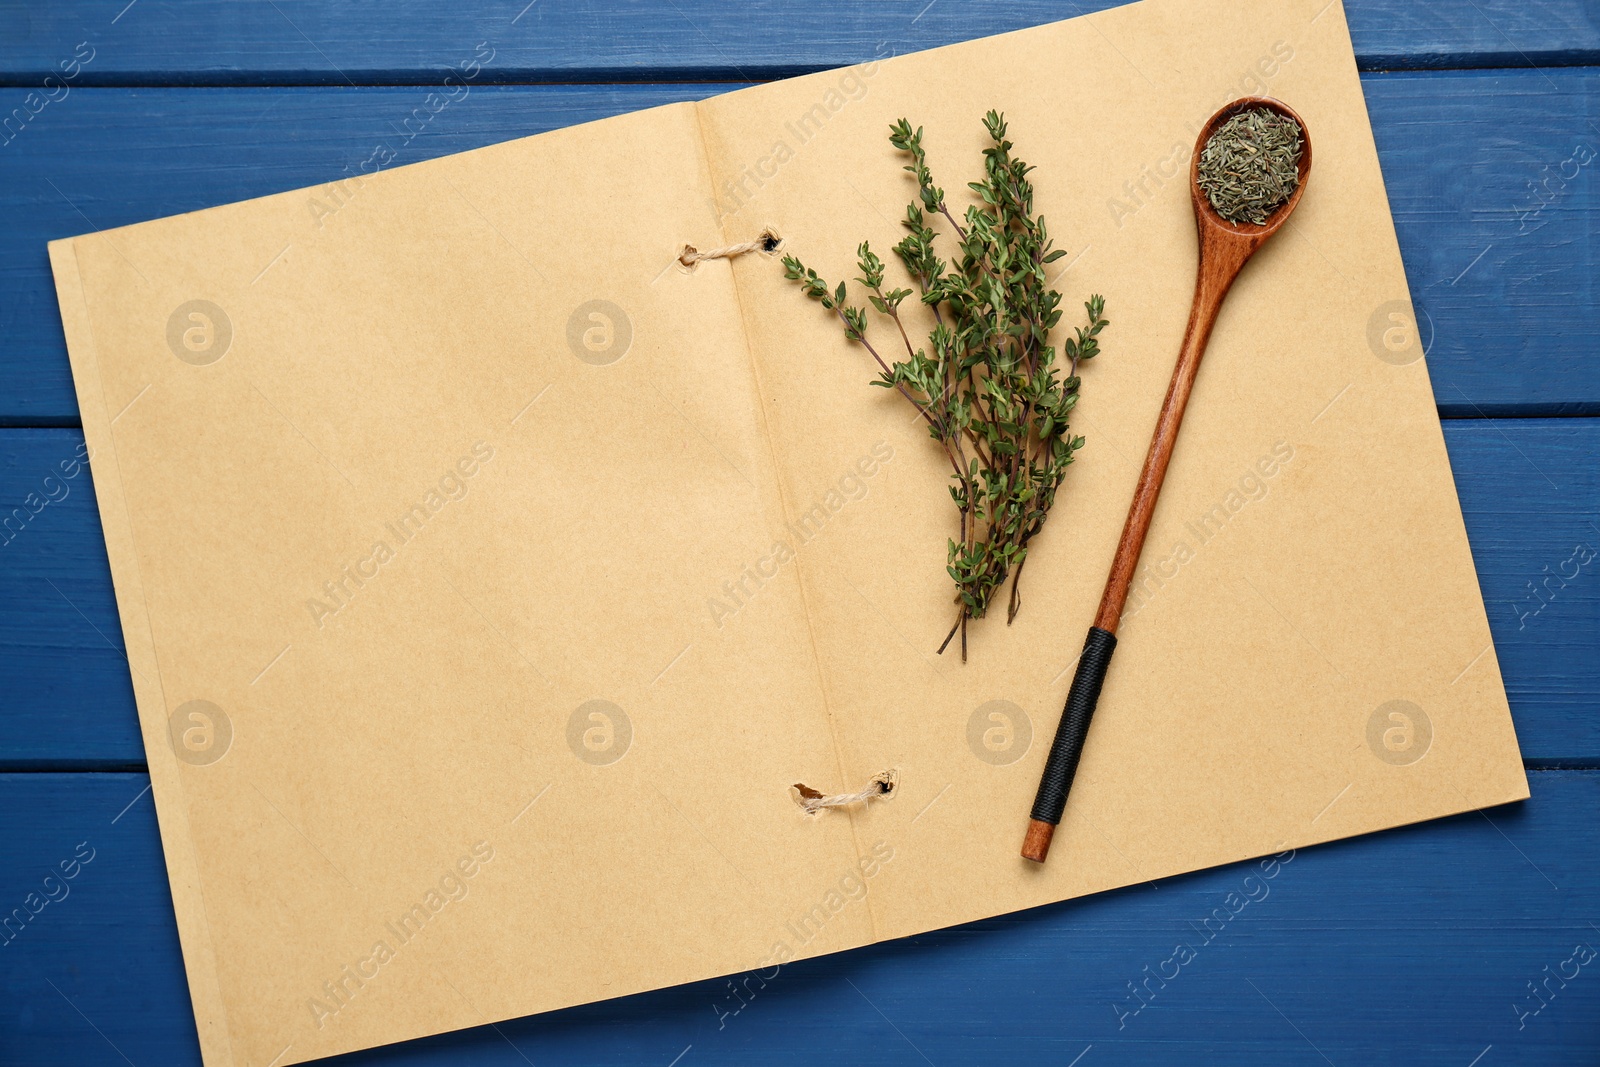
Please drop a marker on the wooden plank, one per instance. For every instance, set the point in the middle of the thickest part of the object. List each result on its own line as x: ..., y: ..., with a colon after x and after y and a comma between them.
x: 160, y: 42
x: 1415, y: 946
x: 1528, y: 489
x: 1493, y: 186
x: 68, y: 694
x: 1508, y: 301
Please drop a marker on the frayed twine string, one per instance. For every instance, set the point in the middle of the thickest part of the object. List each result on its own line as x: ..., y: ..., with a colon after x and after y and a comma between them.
x: 767, y: 242
x: 813, y: 801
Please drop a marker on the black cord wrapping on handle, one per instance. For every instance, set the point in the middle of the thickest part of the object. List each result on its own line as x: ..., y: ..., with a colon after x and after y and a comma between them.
x: 1062, y: 765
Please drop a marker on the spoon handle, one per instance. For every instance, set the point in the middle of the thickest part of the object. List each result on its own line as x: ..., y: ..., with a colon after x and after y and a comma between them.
x: 1220, y: 262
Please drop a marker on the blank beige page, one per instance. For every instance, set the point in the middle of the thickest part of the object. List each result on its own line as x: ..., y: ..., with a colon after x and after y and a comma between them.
x: 1307, y: 566
x: 428, y: 476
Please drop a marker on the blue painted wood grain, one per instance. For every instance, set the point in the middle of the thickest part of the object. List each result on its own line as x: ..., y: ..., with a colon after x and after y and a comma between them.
x: 1530, y: 491
x: 1504, y: 276
x: 1493, y: 183
x: 1414, y: 947
x: 165, y: 42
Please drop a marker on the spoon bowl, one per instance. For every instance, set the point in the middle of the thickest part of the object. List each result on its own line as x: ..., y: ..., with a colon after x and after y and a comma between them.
x: 1206, y: 216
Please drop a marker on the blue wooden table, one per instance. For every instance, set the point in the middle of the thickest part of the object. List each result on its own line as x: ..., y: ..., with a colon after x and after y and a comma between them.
x: 1472, y: 942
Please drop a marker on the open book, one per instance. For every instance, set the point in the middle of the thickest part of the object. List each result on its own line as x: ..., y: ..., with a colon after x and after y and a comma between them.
x: 488, y: 578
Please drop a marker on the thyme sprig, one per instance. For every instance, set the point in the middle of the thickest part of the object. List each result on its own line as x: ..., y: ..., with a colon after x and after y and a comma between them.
x: 987, y: 382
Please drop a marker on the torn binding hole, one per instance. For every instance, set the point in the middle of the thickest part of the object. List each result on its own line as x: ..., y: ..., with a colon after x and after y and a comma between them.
x: 814, y: 801
x: 768, y: 243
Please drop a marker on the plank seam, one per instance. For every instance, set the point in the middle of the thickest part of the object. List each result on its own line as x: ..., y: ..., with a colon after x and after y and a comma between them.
x: 1488, y: 62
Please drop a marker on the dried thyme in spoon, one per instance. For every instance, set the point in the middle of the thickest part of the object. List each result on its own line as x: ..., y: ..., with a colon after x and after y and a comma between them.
x: 1251, y: 165
x: 988, y: 384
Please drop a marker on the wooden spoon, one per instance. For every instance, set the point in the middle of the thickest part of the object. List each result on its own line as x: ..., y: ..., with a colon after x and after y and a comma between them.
x: 1225, y: 247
